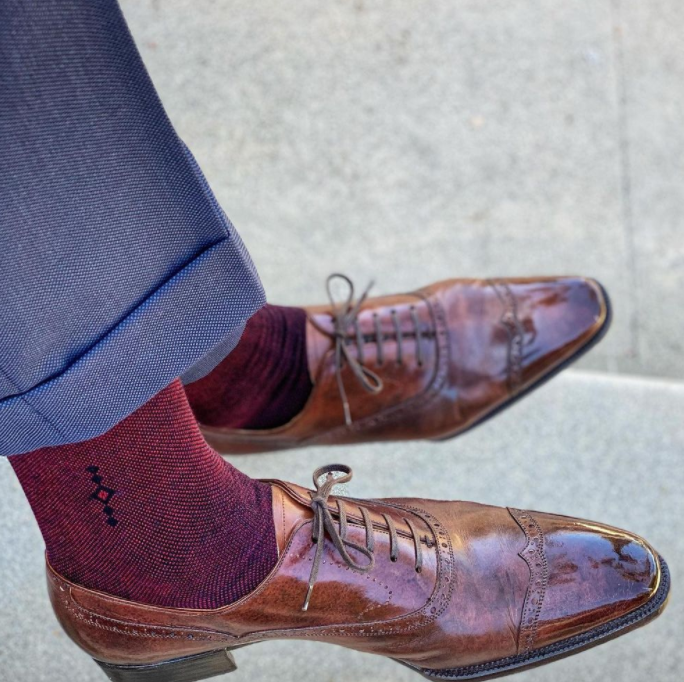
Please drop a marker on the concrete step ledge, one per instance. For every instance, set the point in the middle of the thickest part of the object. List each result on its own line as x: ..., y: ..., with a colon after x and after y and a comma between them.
x: 598, y: 446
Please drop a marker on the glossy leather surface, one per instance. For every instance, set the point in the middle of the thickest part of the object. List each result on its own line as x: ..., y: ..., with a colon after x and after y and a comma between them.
x: 494, y: 583
x: 478, y: 345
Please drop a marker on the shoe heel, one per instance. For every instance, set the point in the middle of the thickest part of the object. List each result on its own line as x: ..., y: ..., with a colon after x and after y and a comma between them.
x: 187, y: 669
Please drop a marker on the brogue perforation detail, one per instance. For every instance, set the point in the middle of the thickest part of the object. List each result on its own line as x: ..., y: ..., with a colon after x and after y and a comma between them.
x: 434, y: 607
x: 438, y: 601
x: 534, y: 556
x: 511, y: 322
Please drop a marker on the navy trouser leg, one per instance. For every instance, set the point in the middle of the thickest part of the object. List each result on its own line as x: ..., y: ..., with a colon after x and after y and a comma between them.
x: 118, y: 270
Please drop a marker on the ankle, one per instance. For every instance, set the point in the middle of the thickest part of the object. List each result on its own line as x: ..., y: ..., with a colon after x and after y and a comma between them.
x: 265, y: 381
x: 149, y: 512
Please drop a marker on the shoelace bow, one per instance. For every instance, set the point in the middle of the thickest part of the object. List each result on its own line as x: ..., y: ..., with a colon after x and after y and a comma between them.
x: 345, y: 317
x: 323, y: 523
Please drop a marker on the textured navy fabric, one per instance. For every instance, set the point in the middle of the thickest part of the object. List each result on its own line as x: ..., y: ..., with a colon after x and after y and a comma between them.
x: 118, y: 270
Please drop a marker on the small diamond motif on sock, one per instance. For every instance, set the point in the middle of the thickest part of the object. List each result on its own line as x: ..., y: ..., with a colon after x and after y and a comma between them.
x: 103, y: 495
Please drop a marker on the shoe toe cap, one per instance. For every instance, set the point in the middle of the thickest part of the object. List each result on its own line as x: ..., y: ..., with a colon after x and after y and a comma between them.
x: 556, y: 318
x: 596, y: 574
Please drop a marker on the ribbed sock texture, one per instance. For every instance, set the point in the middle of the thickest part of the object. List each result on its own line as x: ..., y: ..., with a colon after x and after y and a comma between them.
x: 149, y: 512
x: 265, y: 381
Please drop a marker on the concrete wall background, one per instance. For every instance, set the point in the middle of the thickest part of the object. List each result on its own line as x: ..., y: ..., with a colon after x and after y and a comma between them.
x: 409, y: 141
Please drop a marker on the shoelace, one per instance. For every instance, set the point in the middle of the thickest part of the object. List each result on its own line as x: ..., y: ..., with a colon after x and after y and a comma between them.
x: 323, y: 523
x: 345, y: 317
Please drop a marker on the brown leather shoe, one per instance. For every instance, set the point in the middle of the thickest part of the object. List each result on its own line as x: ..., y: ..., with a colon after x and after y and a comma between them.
x: 432, y: 363
x: 453, y: 590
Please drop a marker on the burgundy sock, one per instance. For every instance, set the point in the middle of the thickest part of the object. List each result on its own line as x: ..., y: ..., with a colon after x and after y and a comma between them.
x: 265, y: 381
x: 149, y: 512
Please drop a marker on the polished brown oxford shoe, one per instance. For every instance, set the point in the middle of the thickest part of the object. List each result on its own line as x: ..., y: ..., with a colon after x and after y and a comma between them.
x: 430, y: 364
x: 453, y: 590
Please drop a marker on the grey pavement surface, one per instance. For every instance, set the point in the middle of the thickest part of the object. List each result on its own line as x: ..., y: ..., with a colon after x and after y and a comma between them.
x: 602, y: 447
x: 407, y: 141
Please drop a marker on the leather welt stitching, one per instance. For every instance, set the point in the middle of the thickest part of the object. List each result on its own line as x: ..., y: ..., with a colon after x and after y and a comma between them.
x: 535, y: 557
x: 134, y: 630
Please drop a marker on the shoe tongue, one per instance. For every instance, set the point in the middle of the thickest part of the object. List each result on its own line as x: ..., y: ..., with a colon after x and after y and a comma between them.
x: 318, y: 344
x: 288, y: 511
